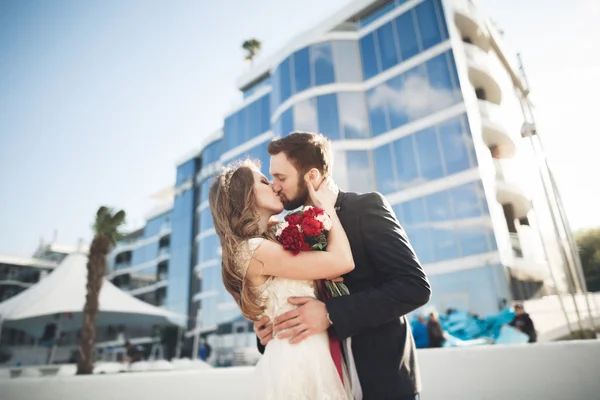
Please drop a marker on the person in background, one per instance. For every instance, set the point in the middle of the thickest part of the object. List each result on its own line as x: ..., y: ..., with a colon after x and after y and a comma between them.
x: 420, y: 333
x: 134, y: 354
x: 523, y: 323
x: 435, y: 332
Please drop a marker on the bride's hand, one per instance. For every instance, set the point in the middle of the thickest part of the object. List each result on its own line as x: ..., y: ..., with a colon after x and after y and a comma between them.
x: 326, y: 194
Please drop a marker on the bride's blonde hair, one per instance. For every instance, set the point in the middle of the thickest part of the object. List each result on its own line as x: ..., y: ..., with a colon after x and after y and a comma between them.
x: 232, y: 204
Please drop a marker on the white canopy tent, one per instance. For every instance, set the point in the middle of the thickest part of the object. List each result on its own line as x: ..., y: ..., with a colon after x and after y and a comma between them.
x: 60, y: 297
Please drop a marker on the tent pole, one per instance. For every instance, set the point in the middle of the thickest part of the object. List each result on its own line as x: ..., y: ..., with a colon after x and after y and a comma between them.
x: 178, y: 347
x: 52, y: 351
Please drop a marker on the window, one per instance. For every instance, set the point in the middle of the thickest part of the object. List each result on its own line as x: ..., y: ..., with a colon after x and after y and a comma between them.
x: 407, y: 34
x: 377, y: 107
x: 285, y: 84
x: 287, y: 122
x: 404, y: 150
x: 414, y: 212
x: 442, y: 82
x: 211, y: 153
x: 360, y: 172
x: 185, y: 171
x: 353, y: 115
x: 265, y: 114
x: 208, y: 248
x: 439, y: 207
x: 429, y: 28
x: 369, y: 56
x: 455, y: 145
x: 301, y: 70
x: 322, y: 59
x: 387, y: 46
x: 399, y: 102
x: 327, y: 115
x: 468, y: 200
x: 423, y: 90
x: 305, y: 116
x: 430, y: 160
x: 385, y: 169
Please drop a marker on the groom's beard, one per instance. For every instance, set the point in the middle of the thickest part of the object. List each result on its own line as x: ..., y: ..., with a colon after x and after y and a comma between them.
x: 299, y: 200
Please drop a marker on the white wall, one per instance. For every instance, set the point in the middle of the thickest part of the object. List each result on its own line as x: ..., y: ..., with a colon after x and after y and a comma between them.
x: 551, y: 371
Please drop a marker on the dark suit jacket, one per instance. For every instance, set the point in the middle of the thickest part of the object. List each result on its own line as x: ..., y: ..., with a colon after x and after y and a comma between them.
x: 387, y: 283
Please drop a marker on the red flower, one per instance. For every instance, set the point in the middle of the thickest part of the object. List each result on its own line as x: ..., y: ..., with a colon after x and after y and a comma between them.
x: 292, y: 239
x: 310, y: 213
x: 319, y: 211
x: 306, y: 247
x: 312, y: 227
x: 294, y: 219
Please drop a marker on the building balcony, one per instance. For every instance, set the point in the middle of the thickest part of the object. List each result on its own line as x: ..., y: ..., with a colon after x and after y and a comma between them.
x: 482, y: 75
x: 13, y: 282
x: 495, y: 134
x: 508, y: 189
x: 470, y: 24
x: 149, y: 288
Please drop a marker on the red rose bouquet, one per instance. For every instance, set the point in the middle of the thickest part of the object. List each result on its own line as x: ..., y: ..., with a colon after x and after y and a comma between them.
x: 307, y: 230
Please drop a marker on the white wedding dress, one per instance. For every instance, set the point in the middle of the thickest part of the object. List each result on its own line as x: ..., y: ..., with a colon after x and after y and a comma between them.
x: 303, y: 371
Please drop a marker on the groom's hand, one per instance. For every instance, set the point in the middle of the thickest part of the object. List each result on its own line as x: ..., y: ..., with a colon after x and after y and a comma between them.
x: 308, y: 319
x: 264, y: 330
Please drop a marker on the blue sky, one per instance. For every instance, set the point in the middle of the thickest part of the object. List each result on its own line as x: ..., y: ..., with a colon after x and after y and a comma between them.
x: 98, y: 99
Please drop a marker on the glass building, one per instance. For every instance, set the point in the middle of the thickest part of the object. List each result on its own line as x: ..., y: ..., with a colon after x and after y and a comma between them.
x: 419, y: 99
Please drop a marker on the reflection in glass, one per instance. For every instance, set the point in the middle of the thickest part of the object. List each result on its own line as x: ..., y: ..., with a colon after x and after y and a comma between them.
x: 322, y: 59
x: 420, y: 240
x: 430, y: 160
x: 439, y: 206
x: 285, y: 84
x: 360, y: 172
x: 455, y: 145
x: 368, y: 56
x: 301, y: 70
x: 384, y: 169
x: 407, y: 35
x: 377, y: 112
x: 327, y: 115
x: 412, y: 95
x: 305, y: 116
x: 468, y: 200
x: 387, y: 46
x: 287, y: 122
x: 353, y: 115
x: 414, y: 212
x: 404, y: 150
x: 429, y: 29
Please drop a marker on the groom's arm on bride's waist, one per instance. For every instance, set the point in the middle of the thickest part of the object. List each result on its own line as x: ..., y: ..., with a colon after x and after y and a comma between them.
x: 404, y: 286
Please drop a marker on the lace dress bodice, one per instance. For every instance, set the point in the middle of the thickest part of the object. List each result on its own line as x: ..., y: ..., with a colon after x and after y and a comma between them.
x: 303, y: 371
x: 274, y: 293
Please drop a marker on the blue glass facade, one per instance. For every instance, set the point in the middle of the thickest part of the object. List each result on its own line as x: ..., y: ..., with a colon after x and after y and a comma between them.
x: 182, y: 239
x: 393, y: 158
x: 391, y: 101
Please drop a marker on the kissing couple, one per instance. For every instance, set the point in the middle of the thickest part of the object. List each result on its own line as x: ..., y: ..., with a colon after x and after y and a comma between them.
x: 277, y: 289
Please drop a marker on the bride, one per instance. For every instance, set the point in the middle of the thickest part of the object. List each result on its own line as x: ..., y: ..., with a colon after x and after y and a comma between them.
x: 261, y: 276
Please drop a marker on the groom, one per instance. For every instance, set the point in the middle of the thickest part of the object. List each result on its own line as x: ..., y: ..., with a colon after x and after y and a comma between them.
x: 387, y: 283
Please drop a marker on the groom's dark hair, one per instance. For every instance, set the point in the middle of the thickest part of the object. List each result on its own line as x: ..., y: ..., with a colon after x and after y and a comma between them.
x: 305, y: 150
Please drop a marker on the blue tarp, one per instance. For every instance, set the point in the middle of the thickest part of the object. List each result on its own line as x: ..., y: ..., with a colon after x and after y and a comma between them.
x: 464, y: 329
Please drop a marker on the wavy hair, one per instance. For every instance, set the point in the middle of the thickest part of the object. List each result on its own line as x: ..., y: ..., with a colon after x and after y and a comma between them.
x: 232, y: 201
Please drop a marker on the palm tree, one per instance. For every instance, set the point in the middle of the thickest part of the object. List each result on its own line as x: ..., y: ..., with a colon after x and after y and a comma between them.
x: 252, y: 47
x: 106, y: 234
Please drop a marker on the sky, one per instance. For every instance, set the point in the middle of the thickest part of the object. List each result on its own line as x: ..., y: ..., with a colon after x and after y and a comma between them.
x: 100, y: 99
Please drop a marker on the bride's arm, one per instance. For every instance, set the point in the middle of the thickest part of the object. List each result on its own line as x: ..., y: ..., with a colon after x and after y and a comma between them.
x: 270, y: 259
